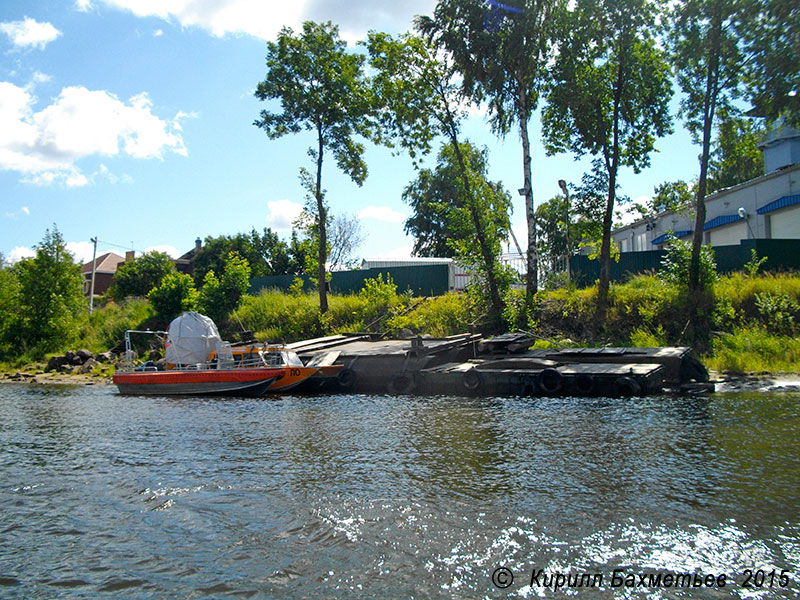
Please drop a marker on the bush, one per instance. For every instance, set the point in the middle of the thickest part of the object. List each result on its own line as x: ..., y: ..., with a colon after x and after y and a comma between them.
x: 107, y: 326
x: 440, y: 316
x: 175, y: 295
x: 675, y: 265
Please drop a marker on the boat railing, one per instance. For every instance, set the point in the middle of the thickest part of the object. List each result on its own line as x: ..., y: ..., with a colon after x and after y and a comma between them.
x: 223, y: 358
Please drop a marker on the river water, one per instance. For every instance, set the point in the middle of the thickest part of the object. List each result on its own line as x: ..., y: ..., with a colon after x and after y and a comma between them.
x: 397, y: 497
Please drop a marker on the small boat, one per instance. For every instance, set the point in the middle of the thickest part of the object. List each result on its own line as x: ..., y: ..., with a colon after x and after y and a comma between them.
x: 234, y: 381
x: 190, y: 341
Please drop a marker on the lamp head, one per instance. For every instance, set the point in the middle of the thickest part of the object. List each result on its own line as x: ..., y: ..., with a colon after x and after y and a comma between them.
x: 742, y: 212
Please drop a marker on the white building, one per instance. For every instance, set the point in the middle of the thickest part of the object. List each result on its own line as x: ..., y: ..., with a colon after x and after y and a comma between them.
x: 767, y: 207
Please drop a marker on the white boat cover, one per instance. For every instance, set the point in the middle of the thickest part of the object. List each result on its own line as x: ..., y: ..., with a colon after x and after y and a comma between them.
x: 191, y: 338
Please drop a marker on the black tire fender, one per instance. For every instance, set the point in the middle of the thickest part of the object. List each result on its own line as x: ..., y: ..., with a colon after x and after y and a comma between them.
x: 402, y: 383
x: 550, y: 381
x: 626, y: 386
x: 471, y: 379
x: 584, y: 384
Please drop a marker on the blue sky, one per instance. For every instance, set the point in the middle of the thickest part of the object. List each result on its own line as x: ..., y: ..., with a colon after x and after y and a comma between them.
x: 131, y: 121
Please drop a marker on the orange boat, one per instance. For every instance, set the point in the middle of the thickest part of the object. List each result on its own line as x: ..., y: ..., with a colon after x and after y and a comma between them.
x: 235, y: 381
x: 189, y: 370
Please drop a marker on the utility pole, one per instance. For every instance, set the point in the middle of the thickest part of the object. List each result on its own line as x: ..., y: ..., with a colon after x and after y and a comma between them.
x: 563, y: 185
x: 94, y: 266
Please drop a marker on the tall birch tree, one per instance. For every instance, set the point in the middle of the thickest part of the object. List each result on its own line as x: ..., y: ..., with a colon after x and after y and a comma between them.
x: 501, y: 51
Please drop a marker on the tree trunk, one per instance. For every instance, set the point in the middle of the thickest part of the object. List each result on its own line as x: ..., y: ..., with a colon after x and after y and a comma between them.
x: 323, y: 237
x: 709, y: 105
x: 532, y: 275
x: 612, y: 167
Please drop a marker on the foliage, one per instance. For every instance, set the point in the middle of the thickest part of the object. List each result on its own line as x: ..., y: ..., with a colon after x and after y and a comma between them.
x: 52, y: 306
x: 675, y: 265
x: 106, y: 326
x: 770, y: 31
x: 752, y: 266
x: 137, y: 277
x: 265, y: 253
x: 736, y: 157
x: 609, y: 96
x: 422, y: 99
x: 381, y: 301
x: 9, y: 302
x: 675, y: 196
x: 778, y: 313
x: 321, y: 88
x: 754, y: 349
x: 175, y: 295
x: 707, y: 56
x: 219, y: 297
x: 502, y: 57
x: 439, y: 317
x: 470, y: 207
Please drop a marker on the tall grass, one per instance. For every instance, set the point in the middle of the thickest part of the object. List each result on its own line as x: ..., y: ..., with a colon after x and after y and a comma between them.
x: 106, y: 326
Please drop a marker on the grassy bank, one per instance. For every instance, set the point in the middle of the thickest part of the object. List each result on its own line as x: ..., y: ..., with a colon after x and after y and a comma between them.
x: 753, y: 320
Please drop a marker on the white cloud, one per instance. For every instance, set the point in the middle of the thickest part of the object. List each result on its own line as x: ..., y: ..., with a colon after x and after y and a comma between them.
x: 44, y: 146
x: 81, y: 251
x: 282, y: 213
x: 29, y: 33
x: 171, y: 250
x: 381, y: 213
x: 18, y: 253
x: 158, y: 33
x: 83, y: 5
x: 23, y: 210
x: 263, y: 19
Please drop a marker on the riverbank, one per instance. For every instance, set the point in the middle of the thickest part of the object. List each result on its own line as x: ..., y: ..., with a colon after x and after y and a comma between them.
x: 723, y: 382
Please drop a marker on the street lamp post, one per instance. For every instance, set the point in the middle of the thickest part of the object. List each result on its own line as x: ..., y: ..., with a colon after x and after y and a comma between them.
x: 563, y: 185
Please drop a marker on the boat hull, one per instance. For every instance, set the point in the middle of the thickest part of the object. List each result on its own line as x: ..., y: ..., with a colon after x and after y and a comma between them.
x: 233, y: 382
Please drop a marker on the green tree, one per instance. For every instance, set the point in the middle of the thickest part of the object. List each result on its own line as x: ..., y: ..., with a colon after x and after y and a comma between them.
x: 502, y: 56
x: 707, y: 55
x: 481, y: 210
x: 736, y: 157
x: 423, y: 102
x: 675, y: 196
x: 52, y: 304
x: 9, y: 304
x: 175, y: 294
x: 219, y: 297
x: 321, y: 88
x: 609, y: 97
x: 140, y: 275
x: 769, y: 30
x: 265, y: 252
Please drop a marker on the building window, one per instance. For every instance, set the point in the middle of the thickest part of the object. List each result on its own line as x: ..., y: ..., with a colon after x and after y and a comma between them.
x: 641, y: 240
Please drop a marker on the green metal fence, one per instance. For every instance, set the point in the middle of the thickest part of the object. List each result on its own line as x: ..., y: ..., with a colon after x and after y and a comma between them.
x: 422, y: 280
x: 782, y: 255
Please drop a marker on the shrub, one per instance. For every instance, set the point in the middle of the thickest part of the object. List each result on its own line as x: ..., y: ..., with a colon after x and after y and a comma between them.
x: 675, y: 265
x: 175, y: 295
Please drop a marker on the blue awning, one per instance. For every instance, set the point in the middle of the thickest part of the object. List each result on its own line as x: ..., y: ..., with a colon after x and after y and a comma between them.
x: 720, y: 221
x: 782, y: 202
x: 671, y: 235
